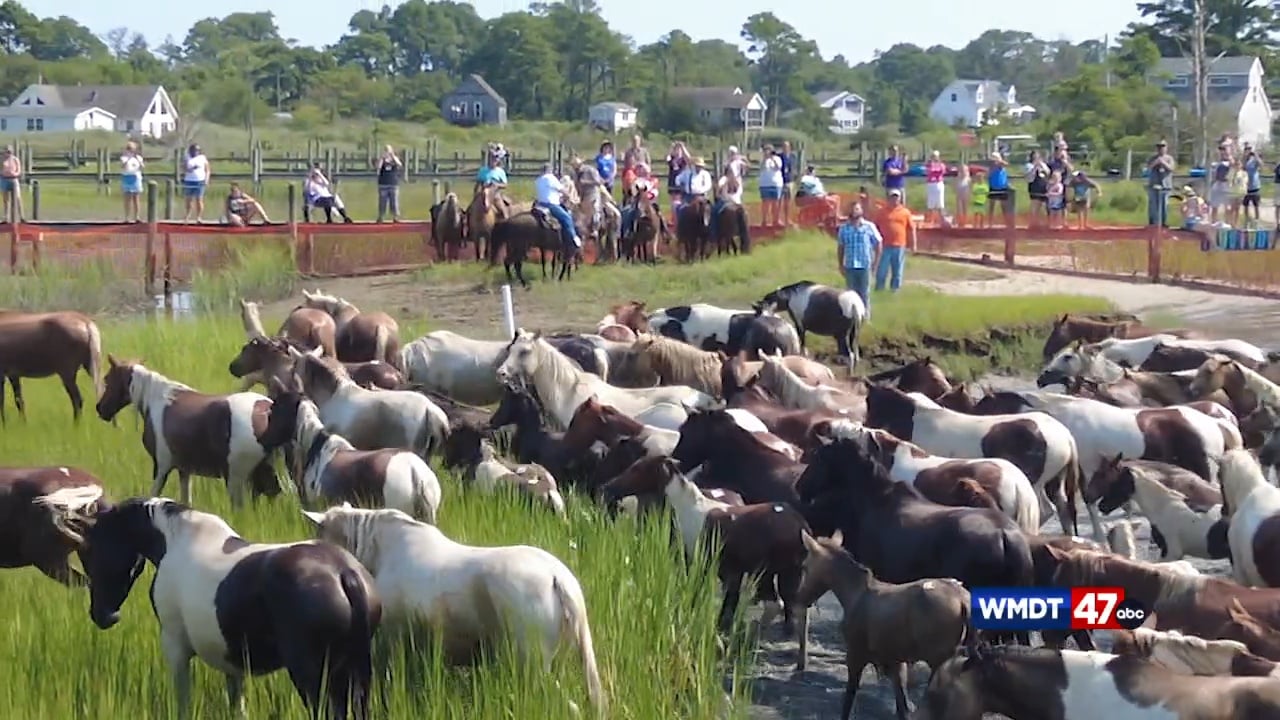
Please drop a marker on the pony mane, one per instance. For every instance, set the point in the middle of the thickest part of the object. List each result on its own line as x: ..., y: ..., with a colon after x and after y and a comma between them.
x: 173, y: 518
x: 1122, y: 541
x: 360, y: 529
x: 331, y: 368
x: 148, y: 385
x: 679, y: 357
x: 1193, y: 653
x: 1089, y: 568
x: 782, y: 382
x: 251, y: 318
x: 1268, y: 392
x: 308, y: 426
x: 330, y: 303
x: 1239, y: 473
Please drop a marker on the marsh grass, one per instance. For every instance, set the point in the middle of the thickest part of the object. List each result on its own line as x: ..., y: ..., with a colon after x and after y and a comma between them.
x: 264, y: 271
x: 652, y: 621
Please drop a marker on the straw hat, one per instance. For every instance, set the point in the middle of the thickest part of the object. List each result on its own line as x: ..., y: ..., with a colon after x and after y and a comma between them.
x: 1188, y: 190
x: 700, y: 161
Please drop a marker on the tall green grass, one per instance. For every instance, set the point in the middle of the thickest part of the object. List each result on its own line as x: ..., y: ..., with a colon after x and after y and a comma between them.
x: 653, y: 621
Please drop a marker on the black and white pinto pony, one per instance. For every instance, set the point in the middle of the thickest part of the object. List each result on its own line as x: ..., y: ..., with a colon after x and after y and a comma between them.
x: 243, y: 608
x: 822, y: 310
x: 332, y: 471
x: 729, y: 331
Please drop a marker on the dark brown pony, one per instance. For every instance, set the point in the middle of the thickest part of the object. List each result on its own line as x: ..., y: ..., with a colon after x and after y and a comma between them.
x: 447, y: 229
x: 270, y: 357
x: 921, y: 375
x: 736, y: 459
x: 482, y: 217
x: 306, y: 327
x: 637, y: 480
x: 44, y: 512
x: 732, y: 229
x: 1068, y: 329
x: 37, y: 345
x: 642, y: 243
x: 522, y: 232
x: 798, y: 427
x: 693, y: 229
x: 1167, y: 358
x: 1261, y: 639
x: 361, y: 336
x: 532, y: 442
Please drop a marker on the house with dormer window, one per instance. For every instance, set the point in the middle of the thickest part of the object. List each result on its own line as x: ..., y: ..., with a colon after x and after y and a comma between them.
x: 848, y: 110
x: 973, y: 103
x: 1235, y: 90
x: 141, y: 110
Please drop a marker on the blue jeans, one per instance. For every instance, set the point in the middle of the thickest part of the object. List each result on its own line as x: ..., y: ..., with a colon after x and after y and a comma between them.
x: 1157, y: 206
x: 567, y: 232
x: 628, y: 219
x: 892, y: 260
x: 859, y: 281
x: 715, y: 213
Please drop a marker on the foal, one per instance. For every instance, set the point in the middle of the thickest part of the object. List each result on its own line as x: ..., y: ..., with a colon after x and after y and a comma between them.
x: 468, y: 450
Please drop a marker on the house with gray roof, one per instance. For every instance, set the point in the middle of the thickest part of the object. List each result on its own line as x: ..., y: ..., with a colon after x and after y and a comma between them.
x: 144, y: 110
x: 474, y: 102
x: 725, y: 108
x: 1236, y: 91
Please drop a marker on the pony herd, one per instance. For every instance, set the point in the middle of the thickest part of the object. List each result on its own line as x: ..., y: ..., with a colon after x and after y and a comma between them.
x: 896, y: 492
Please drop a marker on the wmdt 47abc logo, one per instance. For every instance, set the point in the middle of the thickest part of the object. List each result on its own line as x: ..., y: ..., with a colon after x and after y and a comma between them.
x: 1082, y: 608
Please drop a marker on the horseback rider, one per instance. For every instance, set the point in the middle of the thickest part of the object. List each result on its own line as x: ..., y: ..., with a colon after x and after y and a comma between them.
x: 646, y: 186
x: 696, y: 181
x: 590, y: 187
x: 547, y: 196
x: 728, y: 190
x: 495, y: 176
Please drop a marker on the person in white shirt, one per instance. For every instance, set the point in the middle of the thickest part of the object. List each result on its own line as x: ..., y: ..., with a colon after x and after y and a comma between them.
x: 194, y: 181
x: 131, y: 181
x: 547, y: 192
x: 771, y: 187
x: 317, y: 192
x: 811, y: 184
x: 700, y: 182
x: 737, y: 162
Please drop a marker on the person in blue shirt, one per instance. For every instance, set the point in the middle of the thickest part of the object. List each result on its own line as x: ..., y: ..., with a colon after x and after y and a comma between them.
x: 1253, y: 187
x: 895, y: 171
x: 858, y: 244
x: 607, y: 165
x: 495, y: 176
x: 999, y: 192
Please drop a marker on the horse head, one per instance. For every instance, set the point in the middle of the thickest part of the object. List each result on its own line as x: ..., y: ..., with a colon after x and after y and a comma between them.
x: 115, y: 387
x: 118, y: 543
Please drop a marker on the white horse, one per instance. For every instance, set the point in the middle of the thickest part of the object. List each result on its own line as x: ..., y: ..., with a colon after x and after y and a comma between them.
x: 1249, y: 501
x: 793, y: 392
x: 371, y: 419
x: 1016, y: 495
x: 1185, y: 531
x: 458, y: 366
x: 562, y: 387
x: 1135, y: 351
x: 1122, y: 542
x: 332, y: 468
x: 468, y: 595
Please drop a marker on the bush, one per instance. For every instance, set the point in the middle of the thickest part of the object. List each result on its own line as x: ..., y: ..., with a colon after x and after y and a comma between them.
x: 1123, y: 197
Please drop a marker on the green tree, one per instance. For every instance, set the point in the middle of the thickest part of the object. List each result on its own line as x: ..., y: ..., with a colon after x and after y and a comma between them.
x: 781, y: 57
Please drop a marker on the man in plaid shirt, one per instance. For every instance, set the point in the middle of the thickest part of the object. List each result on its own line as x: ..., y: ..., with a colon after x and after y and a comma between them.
x: 858, y: 244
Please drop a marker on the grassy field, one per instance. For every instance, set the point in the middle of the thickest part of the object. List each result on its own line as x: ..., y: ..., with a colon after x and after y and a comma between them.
x: 652, y: 621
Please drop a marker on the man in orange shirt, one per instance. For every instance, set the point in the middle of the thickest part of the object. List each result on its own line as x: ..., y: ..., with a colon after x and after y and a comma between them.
x: 897, y: 228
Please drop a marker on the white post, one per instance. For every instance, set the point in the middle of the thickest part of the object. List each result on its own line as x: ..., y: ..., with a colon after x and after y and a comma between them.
x: 508, y: 311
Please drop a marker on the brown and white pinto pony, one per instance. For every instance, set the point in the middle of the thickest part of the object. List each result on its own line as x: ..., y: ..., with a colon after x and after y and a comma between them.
x: 263, y: 359
x: 37, y: 345
x: 44, y: 512
x: 361, y: 337
x: 1068, y: 329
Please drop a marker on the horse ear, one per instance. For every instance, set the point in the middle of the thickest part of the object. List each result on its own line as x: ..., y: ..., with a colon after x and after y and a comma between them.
x: 111, y: 360
x: 294, y: 352
x: 317, y: 352
x: 837, y: 537
x: 810, y: 543
x: 316, y: 518
x: 1063, y: 319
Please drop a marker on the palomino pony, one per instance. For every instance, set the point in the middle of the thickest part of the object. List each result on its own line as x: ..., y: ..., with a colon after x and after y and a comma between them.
x: 458, y: 366
x: 1252, y: 507
x: 793, y: 392
x: 482, y: 216
x: 331, y: 470
x: 447, y: 229
x: 361, y: 337
x: 371, y: 419
x: 657, y: 360
x: 243, y: 608
x: 469, y: 597
x: 43, y: 515
x: 37, y: 345
x: 1247, y: 388
x: 216, y: 436
x: 562, y: 387
x: 1017, y: 682
x: 263, y: 359
x: 1067, y: 330
x: 306, y: 327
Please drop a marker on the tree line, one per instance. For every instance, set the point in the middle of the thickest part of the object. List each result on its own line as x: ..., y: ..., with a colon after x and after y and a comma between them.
x: 553, y: 61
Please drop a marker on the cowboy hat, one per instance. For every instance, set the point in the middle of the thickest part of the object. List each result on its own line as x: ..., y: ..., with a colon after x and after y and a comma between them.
x: 700, y: 161
x: 1188, y: 190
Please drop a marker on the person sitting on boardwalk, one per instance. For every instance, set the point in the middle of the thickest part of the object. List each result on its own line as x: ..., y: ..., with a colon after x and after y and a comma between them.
x: 548, y: 194
x: 1195, y: 211
x: 317, y: 192
x: 810, y: 184
x: 242, y: 208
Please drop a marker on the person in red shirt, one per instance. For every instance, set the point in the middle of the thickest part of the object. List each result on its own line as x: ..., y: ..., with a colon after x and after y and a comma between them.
x: 898, y: 228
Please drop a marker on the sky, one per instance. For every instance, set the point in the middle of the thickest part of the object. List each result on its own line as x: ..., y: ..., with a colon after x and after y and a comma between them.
x: 855, y: 33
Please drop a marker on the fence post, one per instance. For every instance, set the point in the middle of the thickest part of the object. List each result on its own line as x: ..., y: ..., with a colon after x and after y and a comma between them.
x: 15, y: 232
x: 168, y: 198
x: 255, y: 167
x: 35, y: 199
x: 149, y: 271
x: 304, y: 251
x: 1011, y: 232
x: 435, y: 193
x: 1154, y: 242
x: 102, y: 170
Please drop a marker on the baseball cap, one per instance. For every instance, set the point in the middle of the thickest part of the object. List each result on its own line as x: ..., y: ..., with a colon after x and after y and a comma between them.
x: 895, y: 193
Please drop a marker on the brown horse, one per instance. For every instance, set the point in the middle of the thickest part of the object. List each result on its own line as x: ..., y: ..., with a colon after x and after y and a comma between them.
x: 482, y: 217
x: 732, y: 233
x: 642, y: 243
x: 693, y: 229
x: 308, y: 328
x: 361, y: 337
x: 1068, y: 329
x: 447, y: 229
x: 522, y: 232
x: 264, y: 358
x: 37, y: 345
x: 43, y: 514
x: 921, y: 375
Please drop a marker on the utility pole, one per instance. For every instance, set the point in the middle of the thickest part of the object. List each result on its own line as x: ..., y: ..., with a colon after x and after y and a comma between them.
x: 1106, y: 57
x: 1200, y: 73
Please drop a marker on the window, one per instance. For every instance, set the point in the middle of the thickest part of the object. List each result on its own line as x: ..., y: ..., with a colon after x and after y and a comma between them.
x: 1180, y: 81
x: 4, y: 124
x: 128, y: 126
x: 1219, y: 81
x: 479, y: 110
x: 153, y: 109
x: 39, y: 123
x: 953, y: 97
x: 27, y: 101
x: 31, y: 124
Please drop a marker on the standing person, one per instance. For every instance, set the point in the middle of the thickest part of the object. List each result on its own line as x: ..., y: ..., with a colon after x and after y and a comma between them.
x: 637, y: 154
x: 1060, y: 162
x: 131, y: 181
x: 607, y: 166
x: 1082, y: 190
x: 787, y: 158
x: 1276, y: 192
x: 1253, y: 185
x: 677, y: 163
x: 194, y: 181
x: 11, y: 183
x: 935, y: 189
x: 1159, y: 184
x: 1037, y: 187
x: 771, y: 183
x: 894, y: 169
x: 998, y: 190
x: 1220, y: 183
x: 897, y: 228
x: 388, y: 167
x: 858, y: 248
x: 964, y: 191
x: 1057, y: 205
x: 737, y: 161
x: 547, y: 192
x: 1239, y: 185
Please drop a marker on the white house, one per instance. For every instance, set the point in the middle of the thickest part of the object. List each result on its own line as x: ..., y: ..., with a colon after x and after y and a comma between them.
x: 725, y: 108
x: 973, y: 103
x: 848, y: 110
x: 1236, y: 89
x: 136, y: 109
x: 612, y: 116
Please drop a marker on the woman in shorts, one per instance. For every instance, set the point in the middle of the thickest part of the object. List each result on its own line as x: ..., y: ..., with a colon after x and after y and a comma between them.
x: 131, y: 181
x: 1037, y: 187
x: 1220, y: 184
x: 935, y: 189
x: 999, y: 192
x: 194, y: 181
x: 771, y: 183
